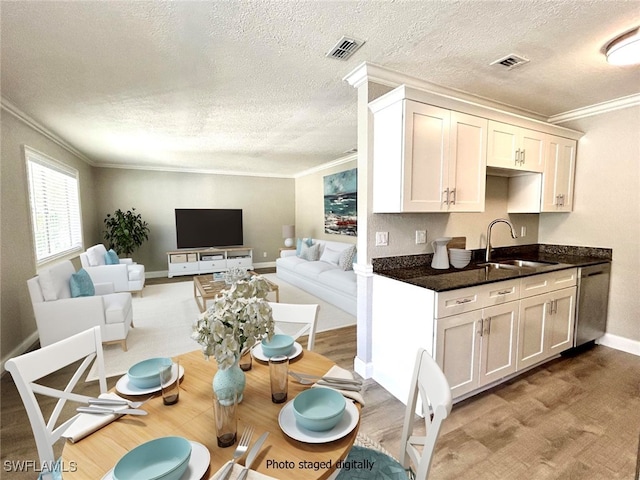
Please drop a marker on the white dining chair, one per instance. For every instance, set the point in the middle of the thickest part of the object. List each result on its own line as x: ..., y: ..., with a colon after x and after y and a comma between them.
x: 26, y: 369
x: 416, y: 451
x: 296, y: 320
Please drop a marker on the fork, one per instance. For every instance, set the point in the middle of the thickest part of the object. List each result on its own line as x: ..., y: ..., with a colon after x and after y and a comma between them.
x: 241, y: 449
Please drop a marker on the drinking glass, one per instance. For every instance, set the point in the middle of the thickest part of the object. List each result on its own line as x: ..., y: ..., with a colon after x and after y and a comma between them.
x: 170, y: 382
x: 279, y: 376
x: 225, y: 411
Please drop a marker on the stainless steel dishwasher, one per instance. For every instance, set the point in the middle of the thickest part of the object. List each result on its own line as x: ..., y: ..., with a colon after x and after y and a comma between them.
x: 593, y: 302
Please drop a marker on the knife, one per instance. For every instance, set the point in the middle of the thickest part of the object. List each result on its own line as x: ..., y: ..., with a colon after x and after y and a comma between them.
x: 340, y: 386
x: 253, y: 452
x: 108, y: 401
x: 118, y: 411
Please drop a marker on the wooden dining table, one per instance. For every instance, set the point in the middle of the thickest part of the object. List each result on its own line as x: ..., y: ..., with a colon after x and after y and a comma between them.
x: 192, y: 418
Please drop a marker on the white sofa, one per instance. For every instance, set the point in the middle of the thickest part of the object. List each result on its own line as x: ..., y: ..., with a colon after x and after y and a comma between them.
x: 60, y: 316
x: 321, y: 278
x: 127, y: 276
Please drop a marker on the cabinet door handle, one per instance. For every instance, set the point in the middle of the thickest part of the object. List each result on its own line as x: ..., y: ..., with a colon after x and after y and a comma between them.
x: 487, y: 330
x: 517, y: 157
x: 480, y: 327
x: 550, y: 307
x: 522, y: 156
x: 464, y: 300
x: 504, y: 292
x: 555, y: 306
x: 562, y: 199
x: 445, y: 196
x: 453, y: 193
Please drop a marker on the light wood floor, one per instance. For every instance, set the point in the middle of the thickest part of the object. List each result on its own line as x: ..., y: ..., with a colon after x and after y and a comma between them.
x: 573, y: 418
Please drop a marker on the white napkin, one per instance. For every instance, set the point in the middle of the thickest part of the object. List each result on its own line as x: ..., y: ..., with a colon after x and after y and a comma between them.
x: 340, y: 372
x: 87, y: 423
x: 252, y: 475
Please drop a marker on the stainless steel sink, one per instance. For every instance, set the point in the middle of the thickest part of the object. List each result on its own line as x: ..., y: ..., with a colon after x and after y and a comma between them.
x: 498, y: 265
x: 515, y: 264
x: 526, y: 263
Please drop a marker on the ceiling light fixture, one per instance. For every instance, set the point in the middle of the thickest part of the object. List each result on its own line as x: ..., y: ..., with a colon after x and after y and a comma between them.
x: 625, y: 50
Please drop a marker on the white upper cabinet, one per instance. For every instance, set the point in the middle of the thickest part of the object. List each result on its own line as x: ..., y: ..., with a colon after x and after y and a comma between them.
x: 467, y: 163
x: 431, y: 153
x: 558, y: 176
x: 515, y: 148
x: 428, y: 159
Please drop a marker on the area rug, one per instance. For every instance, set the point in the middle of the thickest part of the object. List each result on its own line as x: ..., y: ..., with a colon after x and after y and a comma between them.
x: 163, y: 317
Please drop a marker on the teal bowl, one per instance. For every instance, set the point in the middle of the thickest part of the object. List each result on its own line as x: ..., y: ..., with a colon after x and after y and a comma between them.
x: 146, y: 374
x: 279, y: 345
x: 164, y: 458
x: 319, y: 409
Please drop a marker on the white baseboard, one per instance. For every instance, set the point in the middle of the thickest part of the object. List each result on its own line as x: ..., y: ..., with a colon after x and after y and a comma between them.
x: 620, y: 343
x: 20, y: 349
x: 365, y: 370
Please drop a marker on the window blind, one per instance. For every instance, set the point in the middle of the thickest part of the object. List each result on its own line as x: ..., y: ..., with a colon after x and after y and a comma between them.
x: 55, y: 207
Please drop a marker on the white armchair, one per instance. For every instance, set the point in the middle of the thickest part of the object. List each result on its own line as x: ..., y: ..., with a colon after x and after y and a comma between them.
x: 59, y: 316
x: 127, y: 276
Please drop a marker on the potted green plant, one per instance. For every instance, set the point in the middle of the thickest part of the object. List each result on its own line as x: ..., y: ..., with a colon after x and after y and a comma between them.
x: 125, y: 231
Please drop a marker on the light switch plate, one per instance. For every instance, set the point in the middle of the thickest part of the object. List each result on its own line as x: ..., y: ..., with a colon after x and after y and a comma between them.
x: 382, y: 239
x: 421, y: 236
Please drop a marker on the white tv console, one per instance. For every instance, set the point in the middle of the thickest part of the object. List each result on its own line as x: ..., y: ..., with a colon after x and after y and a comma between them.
x: 200, y: 261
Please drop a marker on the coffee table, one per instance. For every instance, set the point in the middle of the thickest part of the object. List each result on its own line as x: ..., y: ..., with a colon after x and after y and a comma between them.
x: 206, y: 287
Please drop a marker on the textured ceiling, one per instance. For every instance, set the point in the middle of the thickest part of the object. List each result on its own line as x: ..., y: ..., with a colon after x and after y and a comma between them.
x: 238, y: 86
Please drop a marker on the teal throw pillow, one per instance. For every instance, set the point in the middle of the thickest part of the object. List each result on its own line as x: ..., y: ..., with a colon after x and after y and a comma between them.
x: 307, y: 241
x: 81, y: 284
x: 111, y: 258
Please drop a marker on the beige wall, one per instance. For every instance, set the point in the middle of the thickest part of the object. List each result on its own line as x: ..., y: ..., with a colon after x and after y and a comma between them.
x: 309, y: 204
x: 473, y: 226
x: 607, y: 209
x: 267, y: 204
x: 17, y: 262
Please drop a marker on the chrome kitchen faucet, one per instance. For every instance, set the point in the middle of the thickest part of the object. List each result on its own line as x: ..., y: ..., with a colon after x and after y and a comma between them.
x: 487, y: 255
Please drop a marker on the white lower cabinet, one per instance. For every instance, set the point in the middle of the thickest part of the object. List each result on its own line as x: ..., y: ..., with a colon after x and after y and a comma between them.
x: 477, y: 348
x: 478, y: 335
x: 546, y: 326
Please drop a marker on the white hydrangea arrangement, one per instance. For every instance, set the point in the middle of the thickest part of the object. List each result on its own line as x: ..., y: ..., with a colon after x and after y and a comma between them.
x: 239, y: 317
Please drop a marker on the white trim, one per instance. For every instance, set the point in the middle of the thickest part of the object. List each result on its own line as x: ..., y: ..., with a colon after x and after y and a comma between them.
x: 620, y: 343
x: 24, y: 346
x: 384, y: 76
x: 597, y: 109
x: 365, y: 370
x: 193, y: 170
x: 8, y: 107
x: 324, y: 166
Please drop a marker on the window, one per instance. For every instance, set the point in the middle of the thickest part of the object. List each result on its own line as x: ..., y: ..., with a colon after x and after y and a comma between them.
x: 55, y: 207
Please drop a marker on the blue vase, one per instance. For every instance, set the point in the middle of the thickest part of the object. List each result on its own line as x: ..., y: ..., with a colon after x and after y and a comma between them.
x: 229, y: 378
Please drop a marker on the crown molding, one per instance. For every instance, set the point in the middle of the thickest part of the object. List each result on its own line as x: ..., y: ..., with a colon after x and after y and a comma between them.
x: 9, y: 107
x: 370, y: 72
x: 324, y: 166
x: 193, y: 170
x: 596, y: 109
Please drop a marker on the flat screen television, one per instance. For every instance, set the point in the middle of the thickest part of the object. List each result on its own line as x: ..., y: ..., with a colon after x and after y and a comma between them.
x: 208, y: 227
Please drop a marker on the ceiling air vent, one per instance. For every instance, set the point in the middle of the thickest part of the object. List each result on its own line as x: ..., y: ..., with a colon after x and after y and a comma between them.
x: 510, y: 61
x: 344, y: 48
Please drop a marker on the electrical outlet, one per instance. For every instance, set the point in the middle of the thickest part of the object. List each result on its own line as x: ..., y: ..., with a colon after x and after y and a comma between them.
x: 264, y: 254
x: 523, y: 231
x: 421, y: 236
x: 382, y: 239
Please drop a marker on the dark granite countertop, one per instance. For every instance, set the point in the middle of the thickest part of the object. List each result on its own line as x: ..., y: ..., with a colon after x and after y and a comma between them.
x: 416, y: 269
